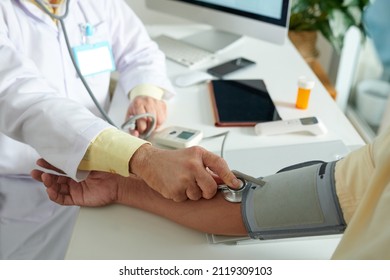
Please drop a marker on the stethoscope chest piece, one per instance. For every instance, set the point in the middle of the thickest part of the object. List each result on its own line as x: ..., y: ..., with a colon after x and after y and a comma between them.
x: 232, y: 195
x: 235, y: 195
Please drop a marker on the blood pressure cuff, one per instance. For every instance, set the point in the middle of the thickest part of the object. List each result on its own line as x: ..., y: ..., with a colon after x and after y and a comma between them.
x: 294, y: 203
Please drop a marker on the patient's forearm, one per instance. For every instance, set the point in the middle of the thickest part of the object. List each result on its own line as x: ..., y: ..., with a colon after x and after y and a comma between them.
x: 212, y: 216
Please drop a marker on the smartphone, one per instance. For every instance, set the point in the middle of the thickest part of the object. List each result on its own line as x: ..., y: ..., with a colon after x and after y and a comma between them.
x: 231, y: 66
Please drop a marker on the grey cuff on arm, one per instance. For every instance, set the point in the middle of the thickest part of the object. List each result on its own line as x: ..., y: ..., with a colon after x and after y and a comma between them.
x: 294, y: 203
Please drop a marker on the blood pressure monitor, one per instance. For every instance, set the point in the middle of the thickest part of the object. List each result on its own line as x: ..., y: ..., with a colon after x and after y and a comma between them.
x: 177, y: 137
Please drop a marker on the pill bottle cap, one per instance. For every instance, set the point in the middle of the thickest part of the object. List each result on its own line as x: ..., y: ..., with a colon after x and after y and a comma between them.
x: 305, y: 83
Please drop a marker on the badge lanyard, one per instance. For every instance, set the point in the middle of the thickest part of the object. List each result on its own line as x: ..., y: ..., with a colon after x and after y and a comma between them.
x: 86, y: 53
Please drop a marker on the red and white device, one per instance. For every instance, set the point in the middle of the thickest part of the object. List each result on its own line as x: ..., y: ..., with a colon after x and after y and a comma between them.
x: 310, y: 124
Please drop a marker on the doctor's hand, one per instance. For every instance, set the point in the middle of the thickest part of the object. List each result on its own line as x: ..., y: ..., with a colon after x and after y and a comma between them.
x: 146, y: 104
x: 181, y: 174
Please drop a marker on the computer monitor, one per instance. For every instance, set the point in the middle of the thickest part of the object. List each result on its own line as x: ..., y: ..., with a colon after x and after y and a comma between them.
x: 263, y: 19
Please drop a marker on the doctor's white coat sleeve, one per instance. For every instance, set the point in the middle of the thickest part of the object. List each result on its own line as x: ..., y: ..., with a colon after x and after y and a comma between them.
x: 32, y: 112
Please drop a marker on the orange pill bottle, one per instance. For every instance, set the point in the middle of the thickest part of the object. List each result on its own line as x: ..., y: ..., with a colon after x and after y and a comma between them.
x: 304, y: 90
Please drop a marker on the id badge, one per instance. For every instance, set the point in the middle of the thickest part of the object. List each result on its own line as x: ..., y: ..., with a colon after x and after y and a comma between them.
x: 93, y: 59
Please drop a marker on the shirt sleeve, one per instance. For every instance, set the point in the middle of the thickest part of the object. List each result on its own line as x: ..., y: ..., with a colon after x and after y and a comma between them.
x: 111, y: 152
x: 146, y: 90
x: 112, y: 149
x: 352, y: 176
x: 363, y: 189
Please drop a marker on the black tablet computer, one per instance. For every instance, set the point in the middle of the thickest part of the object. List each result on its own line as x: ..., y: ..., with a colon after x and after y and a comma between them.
x: 241, y: 102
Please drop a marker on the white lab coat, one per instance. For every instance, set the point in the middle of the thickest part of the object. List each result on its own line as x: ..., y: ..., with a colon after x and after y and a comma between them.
x: 45, y: 110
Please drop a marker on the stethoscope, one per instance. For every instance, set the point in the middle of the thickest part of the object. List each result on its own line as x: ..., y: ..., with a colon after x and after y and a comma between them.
x: 130, y: 123
x: 235, y: 195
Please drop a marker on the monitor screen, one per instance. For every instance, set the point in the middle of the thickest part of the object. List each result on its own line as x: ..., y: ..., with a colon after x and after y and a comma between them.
x: 267, y: 10
x: 263, y: 19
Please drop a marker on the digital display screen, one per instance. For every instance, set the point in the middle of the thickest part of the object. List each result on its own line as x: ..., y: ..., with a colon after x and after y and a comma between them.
x: 185, y: 135
x: 269, y: 8
x: 271, y: 11
x: 308, y: 121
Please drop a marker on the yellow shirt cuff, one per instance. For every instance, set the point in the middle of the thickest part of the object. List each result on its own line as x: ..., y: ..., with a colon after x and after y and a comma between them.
x: 146, y: 90
x: 111, y: 152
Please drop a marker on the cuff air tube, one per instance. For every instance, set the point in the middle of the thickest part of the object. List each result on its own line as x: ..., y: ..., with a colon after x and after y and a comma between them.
x: 294, y: 203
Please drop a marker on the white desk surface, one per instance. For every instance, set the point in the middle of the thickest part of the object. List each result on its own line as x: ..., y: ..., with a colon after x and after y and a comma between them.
x: 118, y: 232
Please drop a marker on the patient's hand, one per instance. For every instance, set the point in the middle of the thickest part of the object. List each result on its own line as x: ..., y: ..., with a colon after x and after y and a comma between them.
x: 98, y: 189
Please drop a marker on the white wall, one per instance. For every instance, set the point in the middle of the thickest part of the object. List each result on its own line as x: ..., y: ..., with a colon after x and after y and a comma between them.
x: 152, y: 17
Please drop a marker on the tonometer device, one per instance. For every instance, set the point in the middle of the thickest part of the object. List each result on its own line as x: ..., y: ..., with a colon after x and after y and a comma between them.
x: 177, y: 137
x: 310, y: 124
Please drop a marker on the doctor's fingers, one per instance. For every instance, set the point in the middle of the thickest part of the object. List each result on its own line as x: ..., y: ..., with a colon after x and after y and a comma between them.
x: 161, y: 114
x: 175, y: 194
x: 145, y: 104
x: 218, y: 166
x: 206, y: 184
x: 142, y: 123
x: 193, y: 192
x: 156, y: 107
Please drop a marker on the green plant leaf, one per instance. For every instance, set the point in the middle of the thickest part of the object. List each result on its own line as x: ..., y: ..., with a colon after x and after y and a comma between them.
x: 331, y: 17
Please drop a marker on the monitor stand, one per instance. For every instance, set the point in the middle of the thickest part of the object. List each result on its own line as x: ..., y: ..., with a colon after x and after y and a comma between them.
x: 212, y: 40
